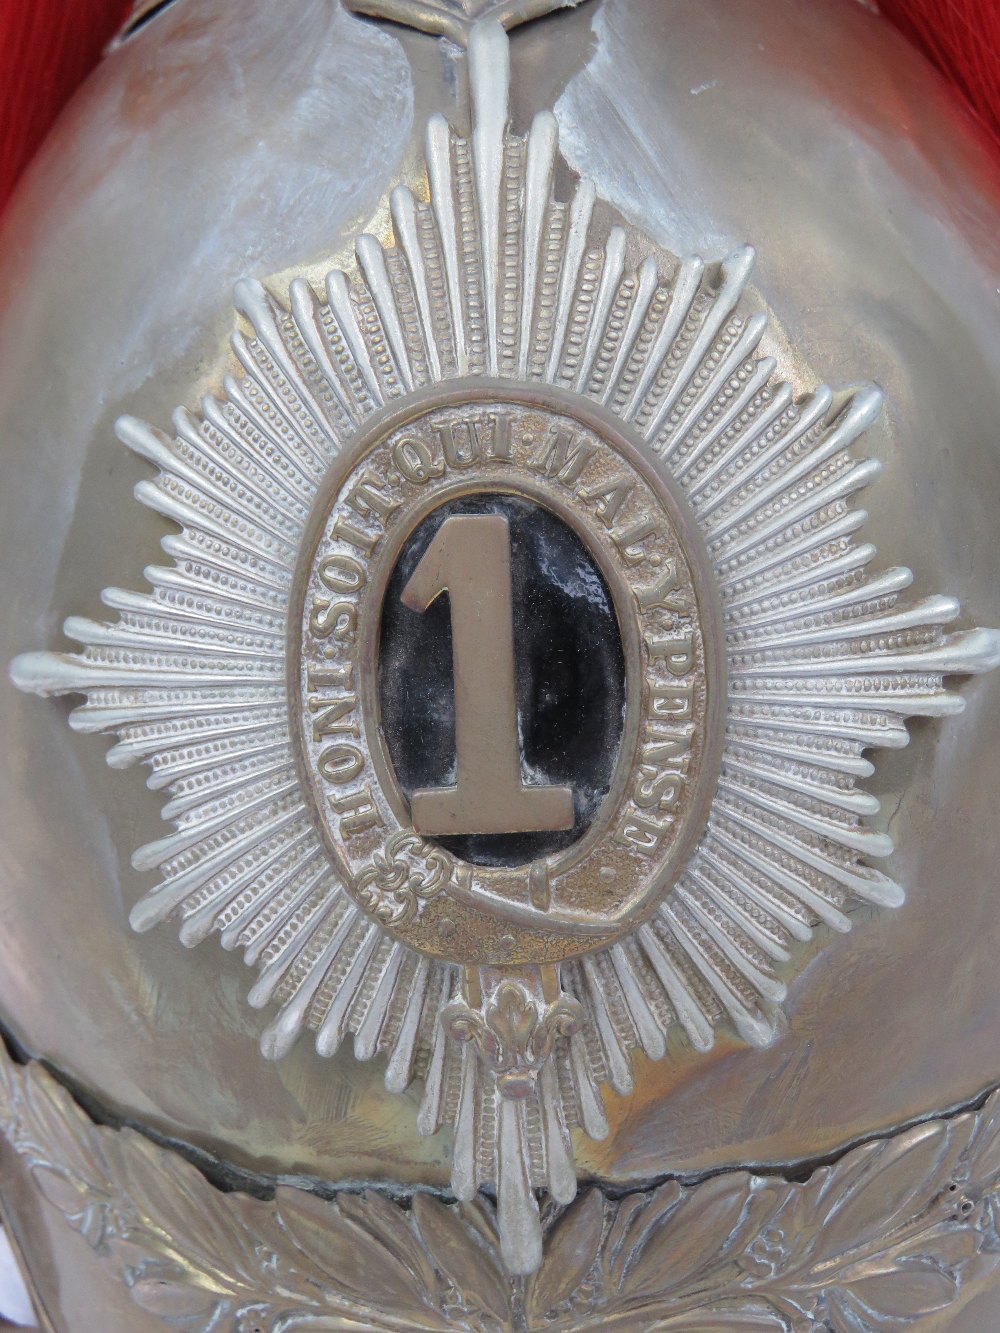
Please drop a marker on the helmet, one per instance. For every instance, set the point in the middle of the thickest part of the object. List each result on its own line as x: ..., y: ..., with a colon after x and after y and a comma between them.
x: 575, y: 809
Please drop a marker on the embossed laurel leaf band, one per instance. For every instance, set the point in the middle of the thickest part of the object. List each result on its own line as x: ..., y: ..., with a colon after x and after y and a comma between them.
x: 492, y: 277
x: 892, y: 1232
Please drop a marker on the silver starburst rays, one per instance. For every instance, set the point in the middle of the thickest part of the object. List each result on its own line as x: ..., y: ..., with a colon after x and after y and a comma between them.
x: 492, y: 279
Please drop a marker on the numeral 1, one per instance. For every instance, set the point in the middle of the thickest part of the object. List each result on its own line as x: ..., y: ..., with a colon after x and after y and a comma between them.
x: 469, y: 559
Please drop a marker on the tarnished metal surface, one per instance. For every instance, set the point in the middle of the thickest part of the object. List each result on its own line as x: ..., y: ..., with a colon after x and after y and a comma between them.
x: 804, y: 128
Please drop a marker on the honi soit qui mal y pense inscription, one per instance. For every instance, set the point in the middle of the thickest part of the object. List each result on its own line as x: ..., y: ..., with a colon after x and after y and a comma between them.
x: 449, y: 455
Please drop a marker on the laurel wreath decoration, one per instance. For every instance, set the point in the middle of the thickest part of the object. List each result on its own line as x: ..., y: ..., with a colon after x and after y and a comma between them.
x: 893, y: 1231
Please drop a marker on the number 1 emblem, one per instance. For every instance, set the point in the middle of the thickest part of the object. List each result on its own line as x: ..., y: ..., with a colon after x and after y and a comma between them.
x: 469, y: 558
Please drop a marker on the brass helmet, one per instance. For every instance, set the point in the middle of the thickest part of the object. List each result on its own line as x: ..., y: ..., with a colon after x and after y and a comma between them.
x: 582, y: 787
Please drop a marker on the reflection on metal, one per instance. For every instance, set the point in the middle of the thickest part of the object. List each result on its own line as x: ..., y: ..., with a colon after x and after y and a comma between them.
x: 456, y: 18
x: 764, y: 659
x: 891, y: 1233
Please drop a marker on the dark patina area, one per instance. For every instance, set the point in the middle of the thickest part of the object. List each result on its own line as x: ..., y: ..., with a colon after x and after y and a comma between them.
x: 569, y: 667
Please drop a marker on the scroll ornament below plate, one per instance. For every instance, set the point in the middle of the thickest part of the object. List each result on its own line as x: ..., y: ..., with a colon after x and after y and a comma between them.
x: 493, y: 278
x: 894, y: 1231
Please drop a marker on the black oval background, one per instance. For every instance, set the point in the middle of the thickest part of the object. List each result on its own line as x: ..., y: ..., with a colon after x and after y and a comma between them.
x: 569, y: 669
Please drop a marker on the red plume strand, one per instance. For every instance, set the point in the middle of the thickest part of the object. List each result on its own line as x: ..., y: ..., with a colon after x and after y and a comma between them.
x: 962, y: 38
x: 47, y: 48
